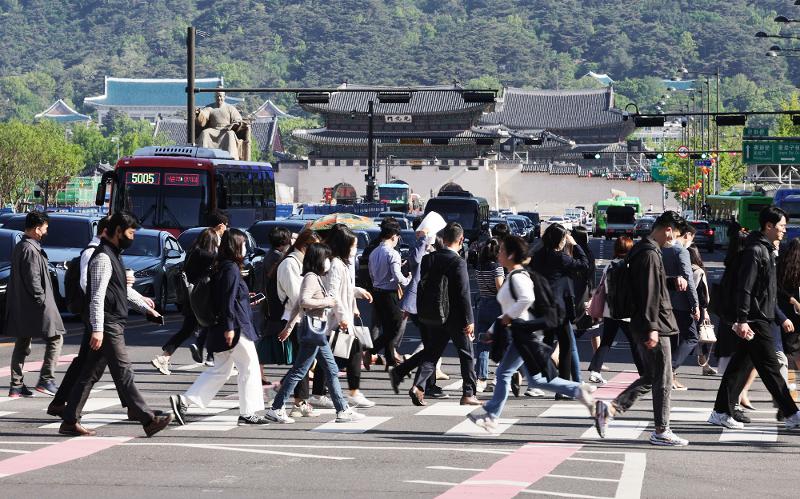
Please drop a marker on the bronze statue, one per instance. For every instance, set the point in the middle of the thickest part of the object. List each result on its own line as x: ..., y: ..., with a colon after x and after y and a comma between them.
x: 219, y: 124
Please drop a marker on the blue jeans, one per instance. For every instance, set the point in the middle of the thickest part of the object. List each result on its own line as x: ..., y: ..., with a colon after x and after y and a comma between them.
x: 576, y: 360
x: 305, y: 357
x: 488, y: 311
x: 507, y: 367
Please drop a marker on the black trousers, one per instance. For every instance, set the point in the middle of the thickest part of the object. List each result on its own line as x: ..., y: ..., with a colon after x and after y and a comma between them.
x: 351, y: 366
x: 415, y: 360
x: 74, y: 371
x: 759, y: 353
x: 439, y: 338
x: 113, y: 353
x: 564, y: 338
x: 387, y: 305
x: 188, y: 328
x: 610, y: 329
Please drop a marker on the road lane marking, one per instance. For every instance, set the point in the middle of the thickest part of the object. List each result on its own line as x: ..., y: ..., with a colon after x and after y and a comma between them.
x: 37, y: 365
x: 101, y: 388
x: 98, y: 404
x: 689, y: 414
x: 566, y: 411
x: 454, y: 387
x: 446, y: 409
x: 187, y: 367
x: 750, y: 434
x: 453, y: 468
x: 514, y: 473
x: 615, y: 385
x: 632, y: 479
x: 6, y: 413
x: 618, y: 430
x: 93, y: 421
x: 561, y: 494
x: 504, y: 452
x: 58, y: 453
x: 235, y: 448
x: 470, y: 429
x: 361, y: 426
x: 587, y: 478
x: 219, y: 422
x: 15, y: 451
x: 8, y: 399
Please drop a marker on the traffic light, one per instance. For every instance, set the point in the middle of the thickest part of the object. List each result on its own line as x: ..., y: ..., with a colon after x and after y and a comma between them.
x: 591, y: 155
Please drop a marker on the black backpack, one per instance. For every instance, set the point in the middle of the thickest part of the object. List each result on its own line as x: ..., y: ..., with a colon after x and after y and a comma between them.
x: 74, y: 296
x: 619, y: 290
x: 545, y: 307
x: 433, y: 295
x: 202, y: 303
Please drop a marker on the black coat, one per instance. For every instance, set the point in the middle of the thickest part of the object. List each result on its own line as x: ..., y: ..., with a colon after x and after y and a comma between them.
x: 756, y: 284
x: 231, y: 300
x: 455, y: 268
x: 652, y: 306
x: 559, y: 269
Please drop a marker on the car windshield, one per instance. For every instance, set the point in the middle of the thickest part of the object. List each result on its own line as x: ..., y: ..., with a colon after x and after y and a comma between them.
x: 68, y: 233
x: 144, y: 245
x: 187, y: 239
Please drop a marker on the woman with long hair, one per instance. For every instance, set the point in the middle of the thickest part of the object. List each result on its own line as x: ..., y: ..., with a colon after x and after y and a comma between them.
x: 341, y: 284
x: 558, y: 260
x: 612, y: 326
x: 490, y: 275
x: 232, y: 339
x: 513, y: 252
x: 198, y: 264
x: 789, y: 300
x: 703, y: 298
x: 313, y: 303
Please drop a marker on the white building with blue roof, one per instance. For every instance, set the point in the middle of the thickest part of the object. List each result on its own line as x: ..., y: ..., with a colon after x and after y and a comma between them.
x: 149, y: 98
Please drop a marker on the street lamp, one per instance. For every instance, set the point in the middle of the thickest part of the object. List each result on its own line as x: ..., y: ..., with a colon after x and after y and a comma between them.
x: 786, y: 20
x: 762, y: 34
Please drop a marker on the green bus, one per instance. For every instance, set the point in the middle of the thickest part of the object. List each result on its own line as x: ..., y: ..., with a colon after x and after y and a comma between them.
x: 599, y: 214
x: 735, y: 206
x: 633, y: 202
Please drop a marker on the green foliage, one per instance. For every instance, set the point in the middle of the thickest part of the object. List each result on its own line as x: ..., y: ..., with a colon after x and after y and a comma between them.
x: 287, y: 126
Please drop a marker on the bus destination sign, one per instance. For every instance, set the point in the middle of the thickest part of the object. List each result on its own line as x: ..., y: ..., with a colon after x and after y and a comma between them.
x: 182, y: 179
x: 142, y: 178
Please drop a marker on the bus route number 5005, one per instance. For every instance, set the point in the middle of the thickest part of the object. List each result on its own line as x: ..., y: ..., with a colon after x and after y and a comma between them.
x: 143, y: 178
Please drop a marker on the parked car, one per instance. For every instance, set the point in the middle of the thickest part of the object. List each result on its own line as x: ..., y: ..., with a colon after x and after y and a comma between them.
x: 535, y: 220
x: 643, y: 226
x: 524, y: 222
x: 252, y: 261
x: 156, y: 258
x: 566, y: 222
x: 306, y: 216
x: 67, y: 235
x: 402, y: 221
x: 704, y: 238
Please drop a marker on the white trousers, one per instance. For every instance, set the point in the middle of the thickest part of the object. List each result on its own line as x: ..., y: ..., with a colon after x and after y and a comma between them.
x: 208, y: 384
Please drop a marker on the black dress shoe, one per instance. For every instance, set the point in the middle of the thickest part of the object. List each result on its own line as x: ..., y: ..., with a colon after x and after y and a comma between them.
x: 395, y: 380
x: 197, y: 353
x: 75, y: 430
x: 417, y: 396
x: 740, y: 416
x: 157, y: 424
x: 436, y: 392
x: 56, y: 410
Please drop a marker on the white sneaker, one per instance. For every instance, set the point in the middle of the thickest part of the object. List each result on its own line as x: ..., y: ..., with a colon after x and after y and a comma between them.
x: 303, y: 410
x: 480, y: 386
x: 534, y: 392
x: 596, y: 377
x: 667, y: 439
x: 792, y: 421
x: 278, y: 416
x: 483, y: 420
x: 441, y: 375
x: 726, y: 420
x: 234, y: 371
x: 161, y: 362
x: 359, y: 401
x: 348, y: 416
x: 589, y: 388
x: 321, y: 402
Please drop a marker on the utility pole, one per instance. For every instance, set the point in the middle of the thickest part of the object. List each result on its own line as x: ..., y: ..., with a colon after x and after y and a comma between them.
x: 370, y: 197
x: 191, y: 32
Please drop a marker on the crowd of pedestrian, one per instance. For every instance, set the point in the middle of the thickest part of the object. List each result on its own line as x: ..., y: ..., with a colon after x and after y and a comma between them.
x: 531, y: 305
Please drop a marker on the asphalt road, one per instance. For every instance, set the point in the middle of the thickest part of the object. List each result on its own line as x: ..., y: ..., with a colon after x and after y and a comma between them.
x: 547, y: 448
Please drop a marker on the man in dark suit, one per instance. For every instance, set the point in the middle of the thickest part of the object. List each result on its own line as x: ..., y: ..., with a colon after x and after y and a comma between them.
x: 458, y: 326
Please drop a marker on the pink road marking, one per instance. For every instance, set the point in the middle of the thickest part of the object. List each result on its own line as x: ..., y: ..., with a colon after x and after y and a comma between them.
x: 514, y: 473
x: 616, y: 385
x: 37, y: 365
x: 62, y: 452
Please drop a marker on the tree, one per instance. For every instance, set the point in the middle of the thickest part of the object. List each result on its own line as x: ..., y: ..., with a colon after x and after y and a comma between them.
x: 287, y: 126
x: 58, y: 158
x: 785, y: 126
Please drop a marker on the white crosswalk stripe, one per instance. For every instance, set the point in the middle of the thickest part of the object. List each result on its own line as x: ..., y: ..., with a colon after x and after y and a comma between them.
x: 362, y: 426
x: 750, y: 434
x: 93, y: 420
x: 470, y: 429
x: 446, y: 409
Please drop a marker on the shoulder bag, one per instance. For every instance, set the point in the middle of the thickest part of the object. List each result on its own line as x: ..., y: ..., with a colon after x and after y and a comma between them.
x: 362, y: 333
x: 314, y: 330
x: 342, y: 343
x: 707, y: 334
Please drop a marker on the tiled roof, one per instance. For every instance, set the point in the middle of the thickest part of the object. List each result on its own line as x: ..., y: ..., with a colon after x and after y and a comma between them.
x: 600, y: 77
x: 555, y: 109
x: 154, y: 92
x: 350, y: 138
x: 62, y: 113
x: 175, y: 132
x: 422, y: 102
x: 269, y: 110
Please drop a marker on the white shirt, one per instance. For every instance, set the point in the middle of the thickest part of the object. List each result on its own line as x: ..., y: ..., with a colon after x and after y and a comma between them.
x: 85, y: 257
x: 290, y: 277
x: 523, y: 287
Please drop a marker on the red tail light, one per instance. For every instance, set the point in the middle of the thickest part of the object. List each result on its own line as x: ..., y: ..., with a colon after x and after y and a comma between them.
x: 710, y: 232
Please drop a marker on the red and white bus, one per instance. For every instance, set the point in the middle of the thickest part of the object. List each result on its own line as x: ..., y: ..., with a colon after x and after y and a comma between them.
x: 174, y: 188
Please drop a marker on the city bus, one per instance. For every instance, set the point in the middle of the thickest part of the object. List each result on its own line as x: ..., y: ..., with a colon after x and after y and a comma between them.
x: 462, y: 207
x: 741, y: 207
x: 633, y: 202
x: 175, y: 188
x: 789, y: 201
x: 396, y: 196
x: 599, y: 214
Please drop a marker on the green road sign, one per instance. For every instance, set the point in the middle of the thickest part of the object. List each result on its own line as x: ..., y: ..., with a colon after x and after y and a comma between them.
x: 755, y: 132
x: 659, y: 173
x: 760, y: 152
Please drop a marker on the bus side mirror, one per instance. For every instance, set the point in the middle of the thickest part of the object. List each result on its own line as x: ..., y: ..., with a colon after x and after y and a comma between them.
x: 100, y: 198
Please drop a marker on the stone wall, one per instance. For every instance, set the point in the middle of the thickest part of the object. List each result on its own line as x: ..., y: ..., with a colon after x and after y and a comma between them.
x: 504, y: 187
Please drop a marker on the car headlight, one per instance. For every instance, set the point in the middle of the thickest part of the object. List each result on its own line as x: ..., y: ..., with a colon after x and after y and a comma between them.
x: 62, y: 265
x: 145, y: 273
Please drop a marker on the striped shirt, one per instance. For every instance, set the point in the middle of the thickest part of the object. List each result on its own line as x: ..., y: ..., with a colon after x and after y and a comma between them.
x: 487, y: 275
x: 101, y: 273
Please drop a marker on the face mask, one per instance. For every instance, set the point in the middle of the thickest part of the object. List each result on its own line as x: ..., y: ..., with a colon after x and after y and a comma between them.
x: 327, y: 266
x: 125, y: 242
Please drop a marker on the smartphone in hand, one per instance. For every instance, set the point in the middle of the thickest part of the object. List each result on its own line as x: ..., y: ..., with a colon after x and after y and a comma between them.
x: 157, y: 320
x: 257, y: 298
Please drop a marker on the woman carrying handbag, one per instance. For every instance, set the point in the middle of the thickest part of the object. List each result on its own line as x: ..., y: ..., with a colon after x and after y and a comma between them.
x: 706, y: 336
x: 311, y: 312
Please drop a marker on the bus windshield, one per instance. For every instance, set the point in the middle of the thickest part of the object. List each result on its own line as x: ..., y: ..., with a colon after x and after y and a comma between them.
x: 393, y: 195
x: 792, y: 209
x: 463, y: 212
x: 161, y: 198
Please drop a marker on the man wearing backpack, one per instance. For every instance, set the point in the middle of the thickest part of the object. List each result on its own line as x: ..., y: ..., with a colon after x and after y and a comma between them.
x: 652, y: 325
x: 755, y: 308
x: 444, y: 306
